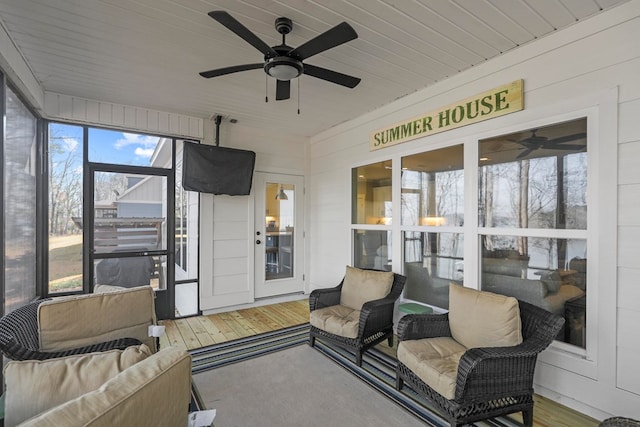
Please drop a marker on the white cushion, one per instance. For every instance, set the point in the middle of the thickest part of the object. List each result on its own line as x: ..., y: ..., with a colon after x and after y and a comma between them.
x: 360, y: 286
x: 34, y: 386
x: 435, y: 361
x: 337, y: 320
x: 483, y: 319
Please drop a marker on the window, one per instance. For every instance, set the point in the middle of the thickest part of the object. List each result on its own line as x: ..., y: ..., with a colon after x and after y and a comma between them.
x: 432, y: 198
x: 66, y: 147
x: 19, y: 201
x: 533, y: 220
x: 372, y: 212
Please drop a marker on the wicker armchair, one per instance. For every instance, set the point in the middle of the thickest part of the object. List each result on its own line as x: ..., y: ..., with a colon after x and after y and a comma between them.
x: 374, y: 324
x: 490, y: 381
x: 19, y: 338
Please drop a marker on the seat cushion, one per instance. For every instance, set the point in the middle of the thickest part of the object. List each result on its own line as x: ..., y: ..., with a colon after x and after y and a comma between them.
x: 360, y: 286
x: 337, y: 320
x: 34, y: 386
x: 483, y: 319
x: 435, y: 361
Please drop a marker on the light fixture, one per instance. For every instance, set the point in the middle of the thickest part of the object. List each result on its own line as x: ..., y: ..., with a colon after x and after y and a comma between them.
x: 281, y: 194
x: 434, y: 221
x: 283, y: 68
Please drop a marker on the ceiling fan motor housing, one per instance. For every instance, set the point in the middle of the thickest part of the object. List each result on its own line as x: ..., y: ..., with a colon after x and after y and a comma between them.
x: 284, y: 25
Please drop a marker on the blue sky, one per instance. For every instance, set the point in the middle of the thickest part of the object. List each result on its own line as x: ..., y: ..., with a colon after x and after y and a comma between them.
x: 106, y: 146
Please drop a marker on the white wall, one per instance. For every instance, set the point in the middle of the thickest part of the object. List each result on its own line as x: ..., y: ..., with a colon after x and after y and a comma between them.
x: 227, y: 222
x: 593, y: 66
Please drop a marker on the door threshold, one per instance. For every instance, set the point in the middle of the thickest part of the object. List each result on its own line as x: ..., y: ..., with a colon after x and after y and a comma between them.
x: 258, y: 302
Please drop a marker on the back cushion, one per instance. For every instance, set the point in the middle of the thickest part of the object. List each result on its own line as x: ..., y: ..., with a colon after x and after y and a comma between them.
x: 483, y: 319
x: 360, y: 286
x: 71, y: 322
x: 34, y: 386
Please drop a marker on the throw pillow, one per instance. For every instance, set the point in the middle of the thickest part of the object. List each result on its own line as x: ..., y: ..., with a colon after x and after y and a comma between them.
x: 360, y: 286
x: 34, y: 386
x: 483, y: 319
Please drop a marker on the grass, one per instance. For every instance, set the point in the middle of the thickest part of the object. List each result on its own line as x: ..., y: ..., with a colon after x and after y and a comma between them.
x: 65, y: 264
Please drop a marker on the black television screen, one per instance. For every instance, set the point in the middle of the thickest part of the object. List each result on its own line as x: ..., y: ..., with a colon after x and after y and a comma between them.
x: 217, y: 170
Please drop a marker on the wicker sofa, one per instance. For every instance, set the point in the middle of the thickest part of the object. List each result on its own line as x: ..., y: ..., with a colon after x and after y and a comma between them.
x: 477, y: 361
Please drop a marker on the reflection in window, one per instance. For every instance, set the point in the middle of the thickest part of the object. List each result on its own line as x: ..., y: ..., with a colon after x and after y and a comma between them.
x: 372, y: 194
x: 433, y: 188
x: 372, y: 249
x: 432, y: 261
x: 546, y: 272
x: 535, y: 178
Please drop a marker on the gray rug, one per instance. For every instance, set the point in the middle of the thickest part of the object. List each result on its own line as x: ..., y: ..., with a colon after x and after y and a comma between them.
x: 297, y: 386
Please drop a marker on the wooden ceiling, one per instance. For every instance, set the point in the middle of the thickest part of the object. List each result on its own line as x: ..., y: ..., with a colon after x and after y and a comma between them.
x: 148, y: 53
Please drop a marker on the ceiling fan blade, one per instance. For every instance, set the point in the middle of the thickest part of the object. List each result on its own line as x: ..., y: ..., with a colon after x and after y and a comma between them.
x: 331, y: 76
x: 228, y: 70
x: 283, y: 89
x: 247, y: 35
x: 525, y: 153
x: 333, y: 37
x: 567, y: 138
x: 575, y: 147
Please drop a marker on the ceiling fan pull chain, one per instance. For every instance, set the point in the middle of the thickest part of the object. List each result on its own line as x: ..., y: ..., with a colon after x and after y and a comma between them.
x: 266, y: 88
x: 299, y: 95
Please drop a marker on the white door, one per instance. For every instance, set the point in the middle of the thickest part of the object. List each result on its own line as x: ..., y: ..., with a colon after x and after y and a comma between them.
x: 278, y: 235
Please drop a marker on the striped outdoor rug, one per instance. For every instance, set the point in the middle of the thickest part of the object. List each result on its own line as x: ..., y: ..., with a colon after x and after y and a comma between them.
x: 378, y: 368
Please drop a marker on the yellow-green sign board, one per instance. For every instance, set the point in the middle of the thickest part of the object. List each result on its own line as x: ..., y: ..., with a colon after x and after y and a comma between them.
x: 486, y: 105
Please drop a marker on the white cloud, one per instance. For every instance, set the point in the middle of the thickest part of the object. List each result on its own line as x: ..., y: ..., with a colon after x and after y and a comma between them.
x: 70, y: 144
x: 146, y: 141
x: 144, y: 152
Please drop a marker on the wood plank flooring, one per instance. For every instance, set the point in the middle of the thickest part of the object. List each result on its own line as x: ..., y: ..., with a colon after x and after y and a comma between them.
x: 202, y: 331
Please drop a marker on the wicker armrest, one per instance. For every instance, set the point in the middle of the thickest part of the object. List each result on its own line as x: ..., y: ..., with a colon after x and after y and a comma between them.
x: 376, y: 315
x: 418, y: 326
x: 495, y: 370
x: 326, y: 297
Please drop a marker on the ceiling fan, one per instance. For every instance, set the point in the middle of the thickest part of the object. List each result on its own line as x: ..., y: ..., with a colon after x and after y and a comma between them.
x: 535, y: 142
x: 283, y: 62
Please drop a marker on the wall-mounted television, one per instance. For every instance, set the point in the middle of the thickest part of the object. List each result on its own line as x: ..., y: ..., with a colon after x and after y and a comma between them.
x: 217, y: 170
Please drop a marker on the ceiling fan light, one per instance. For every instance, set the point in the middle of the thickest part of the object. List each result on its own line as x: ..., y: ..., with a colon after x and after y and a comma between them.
x: 283, y: 68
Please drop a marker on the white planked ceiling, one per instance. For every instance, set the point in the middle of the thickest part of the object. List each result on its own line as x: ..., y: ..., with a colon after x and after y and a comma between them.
x: 148, y: 53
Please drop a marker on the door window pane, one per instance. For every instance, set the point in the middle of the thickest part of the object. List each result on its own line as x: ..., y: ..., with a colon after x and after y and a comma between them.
x: 433, y: 188
x: 129, y: 272
x: 280, y: 230
x: 186, y: 224
x: 129, y: 212
x: 65, y: 207
x: 372, y: 194
x: 535, y: 178
x: 431, y: 262
x: 19, y: 203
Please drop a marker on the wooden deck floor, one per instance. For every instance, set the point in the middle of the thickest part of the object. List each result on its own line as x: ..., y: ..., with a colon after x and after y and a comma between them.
x: 202, y: 331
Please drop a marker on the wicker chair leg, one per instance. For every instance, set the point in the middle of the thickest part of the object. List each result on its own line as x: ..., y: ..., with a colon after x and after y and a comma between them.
x: 359, y: 357
x: 527, y: 417
x: 312, y: 341
x: 390, y: 340
x: 399, y: 382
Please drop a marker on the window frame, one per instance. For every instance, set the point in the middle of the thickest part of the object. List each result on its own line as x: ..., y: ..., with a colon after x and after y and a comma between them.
x: 601, y: 111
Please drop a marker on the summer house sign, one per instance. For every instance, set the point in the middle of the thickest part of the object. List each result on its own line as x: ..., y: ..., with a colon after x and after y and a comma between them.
x: 486, y: 105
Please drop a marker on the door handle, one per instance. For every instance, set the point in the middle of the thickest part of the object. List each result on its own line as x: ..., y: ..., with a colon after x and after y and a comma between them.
x: 258, y: 242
